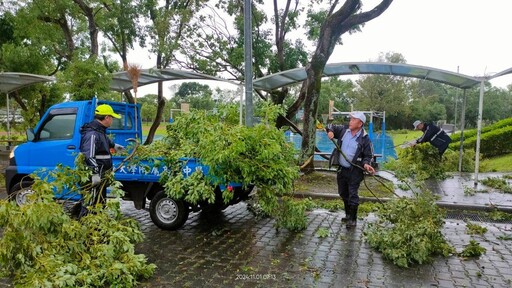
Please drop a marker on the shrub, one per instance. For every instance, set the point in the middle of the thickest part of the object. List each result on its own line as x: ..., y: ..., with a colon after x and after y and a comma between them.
x: 492, y: 143
x: 472, y: 132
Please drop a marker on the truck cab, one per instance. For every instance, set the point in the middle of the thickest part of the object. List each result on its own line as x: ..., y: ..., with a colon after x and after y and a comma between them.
x: 56, y: 139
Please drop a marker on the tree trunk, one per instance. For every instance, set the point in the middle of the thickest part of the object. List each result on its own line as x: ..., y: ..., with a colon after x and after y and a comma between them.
x: 93, y: 28
x: 160, y: 107
x: 311, y: 90
x: 158, y: 117
x: 334, y: 26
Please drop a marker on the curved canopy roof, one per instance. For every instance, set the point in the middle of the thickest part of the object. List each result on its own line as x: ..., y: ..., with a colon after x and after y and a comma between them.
x: 296, y: 75
x: 12, y: 81
x: 121, y: 80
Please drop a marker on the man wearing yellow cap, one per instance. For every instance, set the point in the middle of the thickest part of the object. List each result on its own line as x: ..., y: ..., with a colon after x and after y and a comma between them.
x: 95, y: 146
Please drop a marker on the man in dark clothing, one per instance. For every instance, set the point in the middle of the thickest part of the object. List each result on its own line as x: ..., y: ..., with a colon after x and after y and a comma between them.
x: 354, y: 158
x: 95, y: 146
x: 433, y: 134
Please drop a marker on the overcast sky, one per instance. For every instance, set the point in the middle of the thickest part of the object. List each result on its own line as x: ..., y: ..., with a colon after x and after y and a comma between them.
x: 471, y: 35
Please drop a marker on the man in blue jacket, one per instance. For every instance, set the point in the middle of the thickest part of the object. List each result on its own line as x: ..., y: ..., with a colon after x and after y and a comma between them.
x: 95, y: 146
x: 433, y: 134
x: 353, y: 160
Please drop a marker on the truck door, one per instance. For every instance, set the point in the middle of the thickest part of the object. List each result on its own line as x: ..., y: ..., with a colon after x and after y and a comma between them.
x: 55, y: 141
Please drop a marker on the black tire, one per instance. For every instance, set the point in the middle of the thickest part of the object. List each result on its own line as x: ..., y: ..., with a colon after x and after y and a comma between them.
x: 167, y: 213
x: 20, y: 191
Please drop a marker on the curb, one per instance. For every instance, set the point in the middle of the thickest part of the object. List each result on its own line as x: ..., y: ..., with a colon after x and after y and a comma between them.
x: 447, y: 205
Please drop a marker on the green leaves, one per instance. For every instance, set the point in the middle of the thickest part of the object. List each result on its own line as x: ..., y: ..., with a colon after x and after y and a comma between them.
x: 43, y: 246
x: 257, y: 156
x: 473, y: 229
x: 409, y: 230
x: 473, y: 249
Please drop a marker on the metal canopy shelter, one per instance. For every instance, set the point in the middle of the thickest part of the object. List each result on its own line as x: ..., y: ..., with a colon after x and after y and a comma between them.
x: 12, y: 81
x: 354, y: 68
x: 121, y: 81
x: 458, y: 80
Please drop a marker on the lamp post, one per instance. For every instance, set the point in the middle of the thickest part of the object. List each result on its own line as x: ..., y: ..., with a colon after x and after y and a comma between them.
x: 248, y: 62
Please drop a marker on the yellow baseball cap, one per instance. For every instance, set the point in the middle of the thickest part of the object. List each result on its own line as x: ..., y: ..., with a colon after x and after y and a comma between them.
x: 105, y: 109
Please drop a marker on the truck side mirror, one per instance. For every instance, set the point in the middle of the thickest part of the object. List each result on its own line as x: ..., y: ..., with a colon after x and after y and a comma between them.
x: 30, y: 134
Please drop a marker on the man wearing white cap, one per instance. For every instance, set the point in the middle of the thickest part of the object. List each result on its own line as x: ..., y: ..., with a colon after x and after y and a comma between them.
x: 433, y: 134
x: 353, y: 160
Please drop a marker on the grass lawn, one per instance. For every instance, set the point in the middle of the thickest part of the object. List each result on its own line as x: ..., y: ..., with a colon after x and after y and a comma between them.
x: 497, y: 164
x: 160, y: 131
x: 402, y: 136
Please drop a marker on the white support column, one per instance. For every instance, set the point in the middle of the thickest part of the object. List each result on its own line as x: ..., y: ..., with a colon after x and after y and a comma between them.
x: 479, y: 130
x: 462, y: 124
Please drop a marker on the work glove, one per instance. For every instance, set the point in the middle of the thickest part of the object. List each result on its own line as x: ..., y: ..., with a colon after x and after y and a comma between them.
x: 95, y: 180
x: 118, y: 147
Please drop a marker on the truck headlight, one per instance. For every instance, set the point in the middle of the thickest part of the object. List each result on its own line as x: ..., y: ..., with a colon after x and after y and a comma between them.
x: 11, y: 154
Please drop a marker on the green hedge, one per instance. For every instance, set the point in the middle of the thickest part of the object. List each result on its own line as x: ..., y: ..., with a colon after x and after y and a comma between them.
x: 472, y: 132
x: 493, y: 143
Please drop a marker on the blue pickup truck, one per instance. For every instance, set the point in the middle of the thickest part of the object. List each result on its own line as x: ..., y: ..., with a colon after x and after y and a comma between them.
x: 56, y: 139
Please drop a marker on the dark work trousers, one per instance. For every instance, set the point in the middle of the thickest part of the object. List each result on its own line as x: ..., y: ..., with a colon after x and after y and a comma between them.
x: 99, y: 197
x: 349, y: 180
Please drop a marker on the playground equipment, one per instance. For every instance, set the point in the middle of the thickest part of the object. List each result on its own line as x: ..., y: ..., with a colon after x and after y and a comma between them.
x: 382, y: 143
x: 184, y: 107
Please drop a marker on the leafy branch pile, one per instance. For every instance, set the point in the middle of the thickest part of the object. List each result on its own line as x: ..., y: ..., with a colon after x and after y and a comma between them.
x: 473, y: 249
x: 422, y: 162
x: 258, y: 155
x: 497, y: 183
x: 43, y: 247
x: 408, y: 230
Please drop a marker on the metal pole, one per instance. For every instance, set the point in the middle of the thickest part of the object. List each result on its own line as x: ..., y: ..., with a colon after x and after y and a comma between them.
x: 479, y: 131
x: 383, y: 135
x: 8, y: 124
x: 456, y: 101
x: 462, y: 124
x: 241, y: 105
x: 248, y: 62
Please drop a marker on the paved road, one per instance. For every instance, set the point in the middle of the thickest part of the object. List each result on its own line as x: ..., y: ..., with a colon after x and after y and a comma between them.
x: 235, y: 249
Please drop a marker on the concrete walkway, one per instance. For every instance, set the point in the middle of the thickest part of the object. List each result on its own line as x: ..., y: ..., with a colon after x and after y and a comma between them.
x: 457, y: 191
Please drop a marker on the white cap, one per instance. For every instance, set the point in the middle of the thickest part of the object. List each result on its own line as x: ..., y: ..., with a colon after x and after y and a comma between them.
x: 358, y: 115
x: 416, y: 123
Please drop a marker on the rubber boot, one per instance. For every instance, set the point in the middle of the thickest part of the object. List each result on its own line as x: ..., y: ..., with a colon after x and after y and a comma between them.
x: 345, y: 219
x: 352, y: 221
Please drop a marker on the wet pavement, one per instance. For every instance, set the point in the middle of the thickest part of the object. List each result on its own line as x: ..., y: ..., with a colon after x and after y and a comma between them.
x: 452, y: 192
x: 234, y: 248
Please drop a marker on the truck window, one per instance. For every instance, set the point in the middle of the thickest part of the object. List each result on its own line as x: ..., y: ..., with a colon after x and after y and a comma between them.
x: 58, y: 127
x: 119, y: 124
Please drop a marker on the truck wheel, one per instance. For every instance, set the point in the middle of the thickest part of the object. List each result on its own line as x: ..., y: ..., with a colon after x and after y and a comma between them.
x: 167, y: 213
x: 21, y: 191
